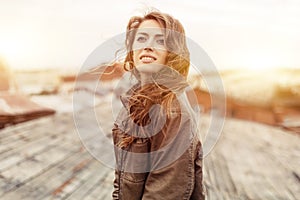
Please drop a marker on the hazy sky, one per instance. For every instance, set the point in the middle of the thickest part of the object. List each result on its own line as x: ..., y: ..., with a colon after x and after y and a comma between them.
x: 234, y: 33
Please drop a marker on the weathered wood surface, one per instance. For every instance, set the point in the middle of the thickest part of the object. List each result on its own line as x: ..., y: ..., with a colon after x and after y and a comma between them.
x: 45, y: 159
x: 12, y: 113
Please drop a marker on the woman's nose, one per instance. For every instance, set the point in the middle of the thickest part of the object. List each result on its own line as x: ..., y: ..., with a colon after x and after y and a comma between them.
x: 149, y: 45
x: 148, y: 48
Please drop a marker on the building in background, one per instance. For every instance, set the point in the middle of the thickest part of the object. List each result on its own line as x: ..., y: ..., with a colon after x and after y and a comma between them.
x: 16, y: 107
x: 7, y: 81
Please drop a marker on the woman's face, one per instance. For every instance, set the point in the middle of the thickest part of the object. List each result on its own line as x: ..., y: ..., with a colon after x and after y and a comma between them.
x: 149, y: 48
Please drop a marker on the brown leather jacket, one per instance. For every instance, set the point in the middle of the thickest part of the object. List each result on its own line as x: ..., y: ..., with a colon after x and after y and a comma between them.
x: 165, y: 165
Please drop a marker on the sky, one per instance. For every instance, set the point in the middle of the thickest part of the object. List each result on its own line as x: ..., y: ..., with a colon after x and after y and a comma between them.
x: 251, y: 34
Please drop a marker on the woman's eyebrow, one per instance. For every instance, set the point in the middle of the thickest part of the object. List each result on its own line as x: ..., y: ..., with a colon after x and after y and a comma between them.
x: 159, y: 35
x: 147, y: 34
x: 142, y: 33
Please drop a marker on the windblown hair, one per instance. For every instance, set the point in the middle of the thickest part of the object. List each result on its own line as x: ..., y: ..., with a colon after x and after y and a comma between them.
x: 167, y: 82
x: 178, y: 54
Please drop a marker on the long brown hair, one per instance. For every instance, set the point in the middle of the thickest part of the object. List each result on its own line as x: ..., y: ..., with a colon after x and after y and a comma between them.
x: 167, y: 82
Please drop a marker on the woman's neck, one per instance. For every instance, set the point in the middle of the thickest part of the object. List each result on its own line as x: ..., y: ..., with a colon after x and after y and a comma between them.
x: 145, y: 79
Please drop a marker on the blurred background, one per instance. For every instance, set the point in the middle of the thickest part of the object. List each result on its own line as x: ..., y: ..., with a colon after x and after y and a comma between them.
x: 44, y: 46
x: 254, y: 45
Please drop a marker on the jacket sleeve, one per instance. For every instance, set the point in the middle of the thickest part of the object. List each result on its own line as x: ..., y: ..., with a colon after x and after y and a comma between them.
x: 130, y: 172
x: 116, y: 191
x: 173, y: 172
x: 198, y: 191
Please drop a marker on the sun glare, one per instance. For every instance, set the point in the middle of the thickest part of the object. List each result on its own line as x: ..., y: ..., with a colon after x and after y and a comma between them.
x: 261, y: 61
x: 10, y: 49
x: 17, y: 49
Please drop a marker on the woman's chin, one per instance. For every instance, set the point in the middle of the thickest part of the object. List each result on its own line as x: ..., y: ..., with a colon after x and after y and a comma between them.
x: 149, y: 68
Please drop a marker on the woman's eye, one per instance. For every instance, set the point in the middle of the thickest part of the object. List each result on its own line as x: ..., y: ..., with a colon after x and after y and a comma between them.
x: 160, y: 41
x: 141, y: 39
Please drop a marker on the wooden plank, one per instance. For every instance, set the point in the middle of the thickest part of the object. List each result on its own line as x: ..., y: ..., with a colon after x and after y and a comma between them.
x: 20, y: 138
x: 250, y: 164
x: 7, y: 131
x: 103, y: 189
x: 225, y: 182
x: 32, y: 167
x: 250, y: 161
x: 26, y: 151
x: 241, y: 170
x: 81, y: 174
x: 47, y: 182
x: 96, y: 176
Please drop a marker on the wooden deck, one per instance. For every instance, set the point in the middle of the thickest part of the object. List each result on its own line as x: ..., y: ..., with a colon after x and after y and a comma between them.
x: 44, y: 159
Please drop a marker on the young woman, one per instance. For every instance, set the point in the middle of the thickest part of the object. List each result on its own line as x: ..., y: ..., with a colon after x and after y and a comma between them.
x: 158, y: 152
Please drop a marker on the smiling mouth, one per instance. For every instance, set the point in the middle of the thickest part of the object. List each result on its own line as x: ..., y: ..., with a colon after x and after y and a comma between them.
x: 147, y: 59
